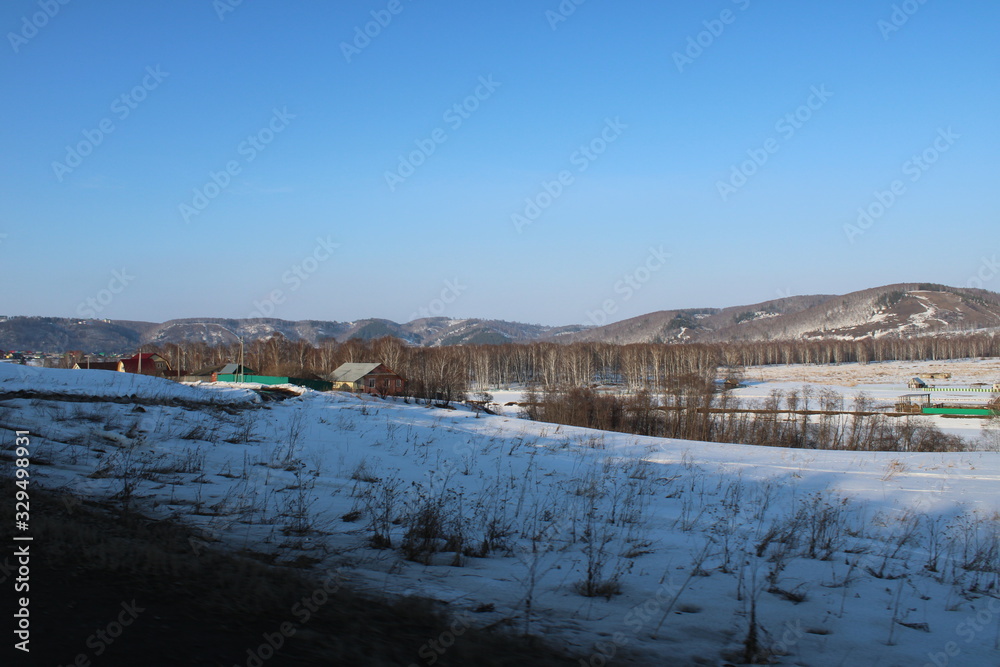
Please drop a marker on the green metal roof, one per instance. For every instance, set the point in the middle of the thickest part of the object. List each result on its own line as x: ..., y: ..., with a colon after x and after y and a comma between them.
x: 352, y: 372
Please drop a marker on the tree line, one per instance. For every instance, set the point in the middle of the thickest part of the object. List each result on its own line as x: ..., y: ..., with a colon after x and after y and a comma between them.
x: 663, y: 390
x: 803, y: 418
x: 657, y: 367
x: 864, y: 350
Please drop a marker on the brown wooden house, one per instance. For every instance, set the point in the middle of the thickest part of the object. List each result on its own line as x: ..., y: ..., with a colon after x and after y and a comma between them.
x: 370, y: 378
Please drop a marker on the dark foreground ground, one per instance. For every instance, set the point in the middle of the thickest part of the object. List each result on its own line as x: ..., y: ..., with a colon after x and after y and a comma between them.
x: 109, y: 589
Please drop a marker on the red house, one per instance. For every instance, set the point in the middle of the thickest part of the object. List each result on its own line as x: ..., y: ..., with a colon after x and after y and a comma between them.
x: 151, y: 364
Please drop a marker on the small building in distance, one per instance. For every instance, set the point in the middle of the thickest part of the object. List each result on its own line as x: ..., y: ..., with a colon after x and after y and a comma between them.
x: 147, y: 363
x: 917, y: 383
x: 912, y: 404
x: 151, y: 364
x: 212, y: 373
x: 87, y: 365
x: 732, y: 383
x: 369, y: 378
x: 236, y: 373
x: 309, y: 383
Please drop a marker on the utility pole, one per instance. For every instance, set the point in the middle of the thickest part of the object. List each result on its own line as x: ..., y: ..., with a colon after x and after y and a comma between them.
x: 242, y: 375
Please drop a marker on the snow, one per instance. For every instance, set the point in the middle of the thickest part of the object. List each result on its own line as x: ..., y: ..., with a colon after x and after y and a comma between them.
x: 883, y: 397
x: 923, y: 320
x: 15, y: 378
x: 963, y: 371
x: 883, y: 383
x: 561, y: 494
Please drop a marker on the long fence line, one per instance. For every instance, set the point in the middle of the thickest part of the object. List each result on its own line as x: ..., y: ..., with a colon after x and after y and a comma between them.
x: 987, y: 390
x: 955, y: 411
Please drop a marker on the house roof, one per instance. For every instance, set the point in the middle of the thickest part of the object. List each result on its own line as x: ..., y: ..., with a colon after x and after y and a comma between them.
x: 224, y: 369
x: 149, y: 361
x: 145, y: 356
x: 352, y: 372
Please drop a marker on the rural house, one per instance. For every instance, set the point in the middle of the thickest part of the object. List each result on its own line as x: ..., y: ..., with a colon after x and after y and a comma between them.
x: 88, y: 365
x: 213, y: 372
x: 370, y: 378
x: 232, y: 372
x: 147, y: 363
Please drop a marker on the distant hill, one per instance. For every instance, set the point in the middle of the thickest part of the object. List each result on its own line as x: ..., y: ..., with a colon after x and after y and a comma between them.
x: 55, y: 334
x: 904, y: 309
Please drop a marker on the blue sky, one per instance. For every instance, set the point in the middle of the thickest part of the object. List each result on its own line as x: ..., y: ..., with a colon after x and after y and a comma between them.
x: 671, y: 98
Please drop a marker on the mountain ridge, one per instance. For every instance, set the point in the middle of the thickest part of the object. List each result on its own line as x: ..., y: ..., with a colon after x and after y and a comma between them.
x: 900, y: 309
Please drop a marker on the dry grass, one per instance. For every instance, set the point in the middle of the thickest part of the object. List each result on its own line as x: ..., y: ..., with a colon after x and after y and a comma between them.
x: 199, y: 596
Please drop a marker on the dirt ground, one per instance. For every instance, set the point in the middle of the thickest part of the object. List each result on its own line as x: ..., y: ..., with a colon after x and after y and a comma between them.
x: 112, y: 590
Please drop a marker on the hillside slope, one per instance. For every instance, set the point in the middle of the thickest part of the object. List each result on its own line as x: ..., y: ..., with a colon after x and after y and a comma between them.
x: 903, y: 309
x: 55, y: 334
x: 604, y: 542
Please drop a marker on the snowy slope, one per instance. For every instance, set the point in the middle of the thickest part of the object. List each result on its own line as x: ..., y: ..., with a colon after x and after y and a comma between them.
x: 838, y: 549
x: 17, y: 378
x: 892, y: 310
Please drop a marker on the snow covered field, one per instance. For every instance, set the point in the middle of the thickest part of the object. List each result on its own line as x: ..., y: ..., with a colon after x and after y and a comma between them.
x: 889, y: 372
x: 836, y: 558
x: 882, y: 383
